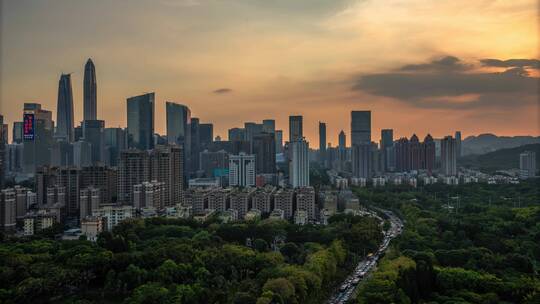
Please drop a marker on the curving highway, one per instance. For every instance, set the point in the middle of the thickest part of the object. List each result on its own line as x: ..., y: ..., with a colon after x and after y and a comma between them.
x: 364, y: 267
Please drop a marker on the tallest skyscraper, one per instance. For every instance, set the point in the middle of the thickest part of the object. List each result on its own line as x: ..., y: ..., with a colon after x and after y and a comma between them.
x: 90, y: 91
x: 64, y: 112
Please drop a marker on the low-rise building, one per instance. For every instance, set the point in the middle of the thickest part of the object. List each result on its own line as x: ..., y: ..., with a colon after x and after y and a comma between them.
x: 277, y: 214
x: 92, y: 226
x: 197, y: 198
x: 179, y: 211
x: 240, y: 200
x: 262, y: 199
x: 218, y: 200
x: 204, y: 215
x: 204, y: 182
x: 114, y: 214
x: 300, y: 217
x: 37, y: 222
x: 358, y: 181
x: 228, y: 216
x: 379, y: 182
x: 253, y: 215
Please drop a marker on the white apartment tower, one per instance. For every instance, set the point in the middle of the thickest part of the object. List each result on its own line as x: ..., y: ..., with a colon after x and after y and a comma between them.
x: 299, y: 163
x: 242, y: 170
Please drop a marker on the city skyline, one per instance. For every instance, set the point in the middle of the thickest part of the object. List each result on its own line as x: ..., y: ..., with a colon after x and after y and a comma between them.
x: 268, y: 82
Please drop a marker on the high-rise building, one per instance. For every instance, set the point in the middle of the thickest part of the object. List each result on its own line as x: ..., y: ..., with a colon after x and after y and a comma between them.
x: 64, y: 110
x: 17, y: 132
x: 68, y: 178
x: 89, y: 199
x: 133, y: 168
x: 115, y: 140
x: 416, y: 153
x: 214, y: 164
x: 178, y: 130
x: 361, y: 143
x: 149, y: 195
x: 402, y: 151
x: 377, y: 164
x: 299, y: 163
x: 206, y: 135
x: 360, y: 127
x: 252, y: 129
x: 82, y: 154
x: 342, y: 140
x: 283, y: 200
x: 62, y: 154
x: 78, y: 133
x: 38, y: 128
x: 93, y: 134
x: 140, y: 121
x: 168, y: 167
x: 429, y: 153
x: 100, y: 177
x: 25, y: 200
x: 387, y: 148
x: 14, y: 158
x: 90, y: 91
x: 8, y: 209
x: 295, y: 128
x: 195, y: 144
x: 448, y: 156
x: 322, y: 143
x: 3, y: 144
x: 265, y: 153
x: 242, y: 170
x: 269, y: 126
x: 527, y: 164
x: 237, y: 134
x: 361, y: 160
x: 305, y: 201
x: 458, y: 144
x: 163, y: 164
x: 279, y: 141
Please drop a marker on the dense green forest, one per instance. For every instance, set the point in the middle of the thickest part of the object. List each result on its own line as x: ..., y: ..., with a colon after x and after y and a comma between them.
x: 180, y: 261
x: 484, y: 249
x: 499, y: 160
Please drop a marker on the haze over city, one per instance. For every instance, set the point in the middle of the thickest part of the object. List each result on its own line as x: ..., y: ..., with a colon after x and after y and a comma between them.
x: 424, y: 67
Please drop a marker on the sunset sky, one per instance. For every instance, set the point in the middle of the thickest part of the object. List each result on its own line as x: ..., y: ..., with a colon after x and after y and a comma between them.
x: 419, y: 65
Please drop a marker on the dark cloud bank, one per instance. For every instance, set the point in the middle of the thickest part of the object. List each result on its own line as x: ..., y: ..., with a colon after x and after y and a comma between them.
x: 436, y: 84
x: 222, y: 91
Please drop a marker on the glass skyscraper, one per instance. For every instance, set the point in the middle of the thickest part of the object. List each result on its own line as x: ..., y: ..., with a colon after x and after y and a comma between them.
x: 178, y: 129
x: 64, y: 112
x: 90, y: 91
x: 140, y: 121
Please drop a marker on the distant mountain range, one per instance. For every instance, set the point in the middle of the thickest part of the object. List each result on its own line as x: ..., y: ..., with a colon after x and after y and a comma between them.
x: 485, y: 143
x: 499, y: 160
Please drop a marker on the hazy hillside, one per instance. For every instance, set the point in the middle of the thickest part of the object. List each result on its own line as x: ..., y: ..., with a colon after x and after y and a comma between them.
x: 485, y: 143
x: 500, y: 159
